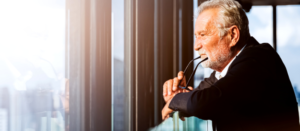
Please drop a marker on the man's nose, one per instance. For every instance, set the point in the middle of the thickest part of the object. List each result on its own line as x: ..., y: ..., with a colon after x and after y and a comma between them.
x: 197, y: 45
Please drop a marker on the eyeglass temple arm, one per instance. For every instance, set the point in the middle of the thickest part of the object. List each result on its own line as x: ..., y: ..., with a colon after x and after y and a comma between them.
x: 190, y: 63
x: 194, y: 71
x: 187, y: 67
x: 171, y: 114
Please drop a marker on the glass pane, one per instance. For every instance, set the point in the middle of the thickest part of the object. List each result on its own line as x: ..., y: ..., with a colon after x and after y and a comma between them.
x: 118, y: 98
x: 261, y: 23
x: 33, y: 89
x: 288, y: 30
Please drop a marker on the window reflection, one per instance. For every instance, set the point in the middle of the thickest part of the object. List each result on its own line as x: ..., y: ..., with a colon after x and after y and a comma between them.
x: 288, y: 28
x: 118, y: 98
x: 33, y: 88
x: 260, y: 23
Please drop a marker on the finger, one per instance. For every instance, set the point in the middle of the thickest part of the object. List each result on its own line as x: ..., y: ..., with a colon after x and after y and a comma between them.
x: 180, y: 75
x: 165, y: 88
x: 191, y: 88
x: 182, y: 118
x: 174, y: 94
x: 162, y: 115
x: 187, y: 90
x: 165, y: 117
x: 170, y: 83
x: 181, y: 90
x: 175, y: 83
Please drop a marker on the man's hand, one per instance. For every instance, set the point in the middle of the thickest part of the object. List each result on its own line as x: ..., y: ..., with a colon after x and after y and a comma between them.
x: 171, y: 87
x: 166, y: 111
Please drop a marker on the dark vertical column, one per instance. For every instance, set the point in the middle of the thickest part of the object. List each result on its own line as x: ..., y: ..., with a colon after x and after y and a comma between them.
x: 274, y: 27
x: 165, y: 50
x: 139, y: 64
x: 186, y: 39
x: 152, y: 37
x: 129, y: 64
x: 175, y: 33
x: 173, y: 44
x: 100, y: 60
x: 187, y: 47
x: 144, y: 64
x: 87, y: 57
x: 89, y: 41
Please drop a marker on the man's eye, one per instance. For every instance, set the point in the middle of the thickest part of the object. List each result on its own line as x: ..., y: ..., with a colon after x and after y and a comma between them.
x: 202, y: 34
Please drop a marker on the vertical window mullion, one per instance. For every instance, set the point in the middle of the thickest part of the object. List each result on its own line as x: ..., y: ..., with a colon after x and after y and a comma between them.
x: 90, y: 64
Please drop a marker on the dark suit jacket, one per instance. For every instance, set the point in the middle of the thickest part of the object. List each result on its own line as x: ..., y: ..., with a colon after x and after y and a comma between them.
x: 255, y: 95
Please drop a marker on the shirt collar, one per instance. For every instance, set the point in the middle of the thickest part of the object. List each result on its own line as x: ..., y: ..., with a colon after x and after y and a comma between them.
x: 220, y: 75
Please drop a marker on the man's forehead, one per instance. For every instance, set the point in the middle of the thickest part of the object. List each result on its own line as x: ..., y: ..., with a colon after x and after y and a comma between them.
x: 206, y: 17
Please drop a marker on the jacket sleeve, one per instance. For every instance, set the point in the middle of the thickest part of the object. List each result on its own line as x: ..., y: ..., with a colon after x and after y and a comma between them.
x: 206, y: 83
x: 238, y: 86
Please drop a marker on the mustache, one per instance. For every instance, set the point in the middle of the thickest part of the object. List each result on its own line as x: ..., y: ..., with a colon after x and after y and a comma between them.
x: 201, y: 51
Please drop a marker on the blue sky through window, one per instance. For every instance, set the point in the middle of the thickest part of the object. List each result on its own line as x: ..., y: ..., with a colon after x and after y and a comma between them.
x: 288, y: 38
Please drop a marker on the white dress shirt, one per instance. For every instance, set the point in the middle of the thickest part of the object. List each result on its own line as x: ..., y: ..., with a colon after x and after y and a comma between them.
x: 220, y: 75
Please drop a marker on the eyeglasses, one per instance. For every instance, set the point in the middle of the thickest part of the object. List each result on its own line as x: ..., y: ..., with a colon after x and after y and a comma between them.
x: 171, y: 114
x: 192, y: 75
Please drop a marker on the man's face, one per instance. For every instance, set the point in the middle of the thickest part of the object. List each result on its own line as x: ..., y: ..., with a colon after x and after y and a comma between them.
x: 208, y: 43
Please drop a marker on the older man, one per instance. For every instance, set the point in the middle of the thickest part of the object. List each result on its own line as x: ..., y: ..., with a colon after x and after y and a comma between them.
x: 249, y: 90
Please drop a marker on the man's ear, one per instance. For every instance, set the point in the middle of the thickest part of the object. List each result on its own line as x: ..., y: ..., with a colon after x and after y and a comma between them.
x: 234, y: 35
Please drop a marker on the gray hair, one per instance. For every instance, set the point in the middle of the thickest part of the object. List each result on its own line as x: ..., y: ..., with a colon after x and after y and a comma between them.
x: 231, y: 13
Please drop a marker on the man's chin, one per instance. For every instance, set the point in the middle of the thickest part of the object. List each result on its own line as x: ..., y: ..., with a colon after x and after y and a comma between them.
x: 205, y: 65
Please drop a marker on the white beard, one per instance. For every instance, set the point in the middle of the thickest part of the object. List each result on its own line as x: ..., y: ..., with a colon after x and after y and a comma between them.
x: 222, y: 56
x: 206, y: 64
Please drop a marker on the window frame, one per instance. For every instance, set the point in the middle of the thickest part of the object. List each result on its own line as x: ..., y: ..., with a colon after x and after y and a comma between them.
x: 88, y: 52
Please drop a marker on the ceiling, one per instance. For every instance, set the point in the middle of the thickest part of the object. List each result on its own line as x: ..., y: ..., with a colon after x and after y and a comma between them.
x: 247, y: 4
x: 267, y: 2
x: 272, y: 2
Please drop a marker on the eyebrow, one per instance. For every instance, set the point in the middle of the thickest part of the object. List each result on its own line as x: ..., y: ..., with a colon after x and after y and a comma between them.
x: 200, y: 31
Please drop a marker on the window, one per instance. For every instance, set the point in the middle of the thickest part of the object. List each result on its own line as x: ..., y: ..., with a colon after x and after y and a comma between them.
x: 260, y: 18
x: 118, y: 94
x: 260, y: 23
x: 34, y: 91
x: 288, y: 28
x: 110, y: 58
